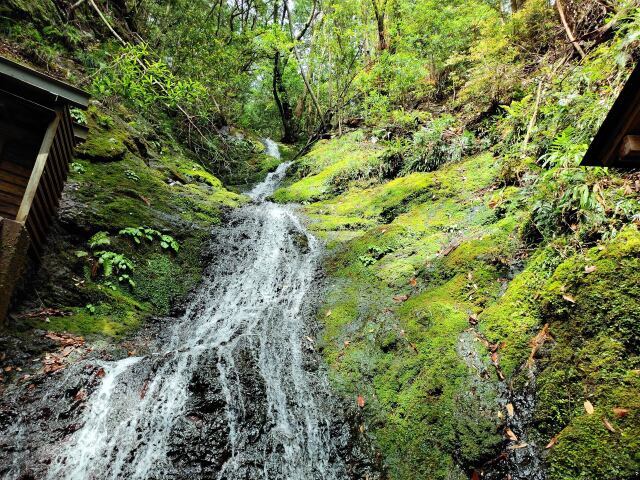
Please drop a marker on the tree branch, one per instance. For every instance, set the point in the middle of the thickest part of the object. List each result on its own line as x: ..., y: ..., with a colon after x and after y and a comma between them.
x: 567, y: 28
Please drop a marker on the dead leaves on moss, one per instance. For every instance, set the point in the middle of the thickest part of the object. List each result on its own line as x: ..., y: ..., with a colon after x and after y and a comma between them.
x: 608, y: 426
x: 552, y: 442
x: 537, y: 342
x: 400, y: 298
x: 54, y: 362
x: 620, y: 412
x: 588, y: 407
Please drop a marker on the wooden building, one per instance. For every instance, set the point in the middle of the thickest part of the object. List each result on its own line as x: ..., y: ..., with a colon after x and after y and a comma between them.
x: 37, y: 138
x: 617, y: 143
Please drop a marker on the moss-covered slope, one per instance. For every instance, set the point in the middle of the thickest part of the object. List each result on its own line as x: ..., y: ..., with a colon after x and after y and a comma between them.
x: 126, y: 175
x: 433, y: 302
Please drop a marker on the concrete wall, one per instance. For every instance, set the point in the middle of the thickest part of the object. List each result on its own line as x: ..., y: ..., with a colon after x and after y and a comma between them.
x: 14, y: 245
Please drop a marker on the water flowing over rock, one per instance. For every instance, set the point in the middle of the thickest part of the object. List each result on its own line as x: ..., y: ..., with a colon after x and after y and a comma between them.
x: 272, y: 147
x: 231, y: 390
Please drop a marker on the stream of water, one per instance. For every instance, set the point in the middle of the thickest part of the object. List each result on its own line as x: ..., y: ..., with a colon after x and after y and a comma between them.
x: 245, y: 332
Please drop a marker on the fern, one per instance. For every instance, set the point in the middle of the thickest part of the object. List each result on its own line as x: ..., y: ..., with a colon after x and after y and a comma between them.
x: 100, y: 239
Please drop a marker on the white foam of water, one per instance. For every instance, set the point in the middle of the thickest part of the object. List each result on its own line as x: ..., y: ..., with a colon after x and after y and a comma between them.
x: 272, y: 147
x: 252, y: 299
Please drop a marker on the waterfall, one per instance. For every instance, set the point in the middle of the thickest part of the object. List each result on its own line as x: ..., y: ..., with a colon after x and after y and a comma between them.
x: 272, y: 148
x: 233, y: 372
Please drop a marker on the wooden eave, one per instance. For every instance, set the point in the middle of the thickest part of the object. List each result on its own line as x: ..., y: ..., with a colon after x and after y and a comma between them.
x: 38, y: 87
x: 617, y: 143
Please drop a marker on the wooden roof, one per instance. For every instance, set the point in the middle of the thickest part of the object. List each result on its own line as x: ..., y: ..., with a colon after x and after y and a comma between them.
x: 38, y: 87
x: 37, y: 138
x: 617, y: 143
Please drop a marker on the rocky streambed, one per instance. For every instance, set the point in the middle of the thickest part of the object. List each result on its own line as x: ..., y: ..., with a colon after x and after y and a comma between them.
x: 232, y: 389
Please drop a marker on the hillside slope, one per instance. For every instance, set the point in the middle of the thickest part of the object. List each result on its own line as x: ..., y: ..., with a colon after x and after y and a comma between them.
x: 442, y: 318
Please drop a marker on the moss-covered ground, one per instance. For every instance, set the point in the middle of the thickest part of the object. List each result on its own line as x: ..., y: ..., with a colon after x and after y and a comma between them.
x: 125, y: 175
x: 420, y: 264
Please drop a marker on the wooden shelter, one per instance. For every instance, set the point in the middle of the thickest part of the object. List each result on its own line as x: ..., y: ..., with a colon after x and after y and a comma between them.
x: 36, y: 146
x: 617, y: 143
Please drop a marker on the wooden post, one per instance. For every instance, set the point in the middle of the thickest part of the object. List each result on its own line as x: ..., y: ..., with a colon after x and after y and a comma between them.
x: 38, y: 168
x: 630, y: 147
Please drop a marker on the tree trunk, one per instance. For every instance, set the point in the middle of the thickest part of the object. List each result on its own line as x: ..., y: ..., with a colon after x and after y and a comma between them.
x: 289, y: 127
x: 380, y: 14
x: 567, y: 28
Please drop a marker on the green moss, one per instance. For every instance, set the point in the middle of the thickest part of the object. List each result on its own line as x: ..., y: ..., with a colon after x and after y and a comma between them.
x: 105, y: 142
x: 426, y: 406
x: 116, y: 314
x: 332, y: 165
x: 595, y: 357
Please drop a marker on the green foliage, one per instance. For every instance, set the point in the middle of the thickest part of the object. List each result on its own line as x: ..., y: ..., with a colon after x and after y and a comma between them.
x: 133, y: 74
x: 115, y: 264
x: 100, y: 239
x: 138, y: 234
x: 77, y: 167
x: 437, y: 143
x: 131, y: 175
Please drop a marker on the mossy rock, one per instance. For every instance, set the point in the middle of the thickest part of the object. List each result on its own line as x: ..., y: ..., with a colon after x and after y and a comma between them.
x: 592, y: 303
x: 105, y: 142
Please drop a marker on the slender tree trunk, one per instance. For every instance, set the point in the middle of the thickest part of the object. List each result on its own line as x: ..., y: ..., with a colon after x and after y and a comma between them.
x: 380, y: 14
x: 289, y: 127
x: 567, y: 28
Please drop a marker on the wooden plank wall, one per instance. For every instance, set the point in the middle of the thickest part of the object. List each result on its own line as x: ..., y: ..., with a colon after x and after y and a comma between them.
x: 14, y: 179
x: 46, y: 197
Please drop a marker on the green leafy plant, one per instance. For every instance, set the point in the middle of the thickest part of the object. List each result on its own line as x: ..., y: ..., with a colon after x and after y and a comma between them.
x: 138, y: 234
x: 131, y: 175
x: 105, y: 262
x: 78, y: 167
x: 78, y: 116
x: 117, y: 264
x: 100, y: 239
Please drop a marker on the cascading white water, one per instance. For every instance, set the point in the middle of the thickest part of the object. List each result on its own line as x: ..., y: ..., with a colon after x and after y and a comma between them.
x: 272, y: 148
x: 250, y: 305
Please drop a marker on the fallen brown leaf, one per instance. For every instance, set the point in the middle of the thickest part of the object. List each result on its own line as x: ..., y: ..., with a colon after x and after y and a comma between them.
x: 569, y: 298
x: 589, y: 269
x: 512, y: 436
x: 494, y: 358
x: 413, y: 281
x: 81, y: 395
x: 552, y: 442
x: 67, y: 350
x: 536, y: 344
x: 100, y: 373
x: 473, y: 319
x: 510, y: 410
x: 588, y: 407
x: 448, y: 250
x: 520, y: 445
x: 143, y: 390
x: 401, y: 298
x: 608, y: 425
x: 360, y: 401
x: 328, y: 314
x: 620, y: 412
